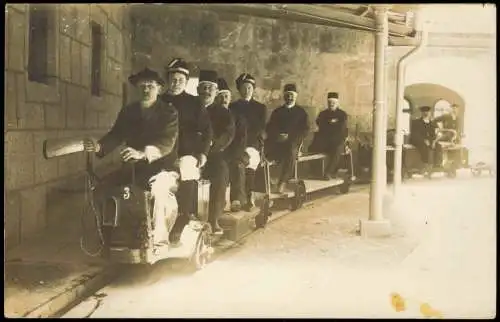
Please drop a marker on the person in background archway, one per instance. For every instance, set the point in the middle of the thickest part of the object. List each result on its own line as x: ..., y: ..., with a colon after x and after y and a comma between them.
x: 195, y: 135
x: 332, y: 132
x: 423, y: 136
x: 449, y: 123
x: 242, y: 170
x: 286, y: 129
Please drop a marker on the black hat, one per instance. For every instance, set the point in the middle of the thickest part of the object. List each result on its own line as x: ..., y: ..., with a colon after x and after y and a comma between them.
x: 245, y: 78
x: 178, y: 65
x: 208, y: 76
x: 333, y: 95
x: 222, y: 85
x: 146, y: 74
x: 290, y: 88
x: 425, y: 108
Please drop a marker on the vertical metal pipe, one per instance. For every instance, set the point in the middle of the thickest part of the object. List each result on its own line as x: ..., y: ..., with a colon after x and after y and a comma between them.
x: 400, y: 86
x: 379, y: 146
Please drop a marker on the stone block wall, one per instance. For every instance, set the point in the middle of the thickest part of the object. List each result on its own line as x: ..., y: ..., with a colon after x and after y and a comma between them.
x: 64, y: 107
x: 319, y: 59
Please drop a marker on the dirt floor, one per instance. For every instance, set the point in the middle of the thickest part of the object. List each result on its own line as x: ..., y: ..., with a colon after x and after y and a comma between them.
x: 439, y: 261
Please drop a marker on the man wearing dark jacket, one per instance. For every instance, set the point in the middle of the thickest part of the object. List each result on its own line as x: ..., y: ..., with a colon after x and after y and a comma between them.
x: 149, y: 130
x: 332, y: 132
x: 243, y: 166
x: 222, y: 122
x: 195, y: 135
x: 423, y: 136
x: 286, y: 129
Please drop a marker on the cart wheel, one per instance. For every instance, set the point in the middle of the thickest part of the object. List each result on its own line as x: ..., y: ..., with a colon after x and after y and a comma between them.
x: 203, y: 249
x: 299, y: 195
x: 344, y: 187
x: 452, y: 173
x: 263, y: 216
x: 475, y: 172
x: 407, y: 175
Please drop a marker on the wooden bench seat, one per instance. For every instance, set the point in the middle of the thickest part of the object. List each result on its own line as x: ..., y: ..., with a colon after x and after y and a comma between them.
x: 309, y: 157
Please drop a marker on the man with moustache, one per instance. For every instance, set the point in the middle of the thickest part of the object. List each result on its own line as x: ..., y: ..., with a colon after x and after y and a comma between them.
x: 149, y: 129
x: 216, y: 169
x: 242, y: 169
x: 195, y: 135
x: 286, y: 129
x: 332, y: 132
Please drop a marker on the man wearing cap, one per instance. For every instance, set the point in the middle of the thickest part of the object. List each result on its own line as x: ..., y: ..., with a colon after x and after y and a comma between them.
x: 243, y: 165
x: 423, y: 136
x: 149, y: 129
x: 216, y: 169
x: 286, y: 129
x: 195, y: 135
x: 332, y: 132
x: 236, y: 157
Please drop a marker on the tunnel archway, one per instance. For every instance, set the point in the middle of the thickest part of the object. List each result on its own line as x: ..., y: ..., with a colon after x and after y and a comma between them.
x: 472, y: 78
x: 434, y: 96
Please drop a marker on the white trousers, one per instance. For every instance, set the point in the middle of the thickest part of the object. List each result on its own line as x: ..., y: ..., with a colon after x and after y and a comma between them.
x: 188, y: 166
x: 254, y: 158
x: 163, y: 186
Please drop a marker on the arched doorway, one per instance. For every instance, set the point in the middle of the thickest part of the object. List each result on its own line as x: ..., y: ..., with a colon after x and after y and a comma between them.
x: 436, y: 96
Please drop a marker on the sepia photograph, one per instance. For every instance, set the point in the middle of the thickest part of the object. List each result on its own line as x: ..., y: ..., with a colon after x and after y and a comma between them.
x: 250, y: 160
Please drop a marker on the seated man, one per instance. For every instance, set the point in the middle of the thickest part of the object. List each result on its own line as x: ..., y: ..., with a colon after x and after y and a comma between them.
x: 149, y: 129
x: 423, y: 136
x: 242, y: 170
x: 448, y: 124
x: 286, y: 129
x: 216, y: 169
x: 195, y: 135
x: 332, y: 132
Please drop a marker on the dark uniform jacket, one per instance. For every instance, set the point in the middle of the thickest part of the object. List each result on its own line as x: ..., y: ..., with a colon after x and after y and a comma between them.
x: 329, y: 134
x: 421, y: 131
x: 236, y: 150
x: 195, y: 131
x: 223, y: 128
x: 293, y: 121
x: 138, y: 128
x: 255, y: 115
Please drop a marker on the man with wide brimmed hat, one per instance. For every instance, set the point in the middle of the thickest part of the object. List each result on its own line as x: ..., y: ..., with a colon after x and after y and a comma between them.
x: 149, y: 130
x: 242, y: 169
x: 423, y: 136
x: 195, y: 135
x: 286, y: 129
x: 216, y: 169
x: 331, y: 135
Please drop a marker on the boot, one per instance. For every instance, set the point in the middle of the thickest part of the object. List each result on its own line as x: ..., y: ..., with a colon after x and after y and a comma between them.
x: 217, y: 229
x: 249, y: 204
x: 235, y: 206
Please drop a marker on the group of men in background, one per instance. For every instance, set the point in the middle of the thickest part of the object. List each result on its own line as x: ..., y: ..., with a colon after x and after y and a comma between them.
x: 213, y: 137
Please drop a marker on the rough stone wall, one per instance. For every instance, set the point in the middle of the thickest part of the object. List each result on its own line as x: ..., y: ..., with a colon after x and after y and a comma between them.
x: 319, y: 59
x: 63, y: 108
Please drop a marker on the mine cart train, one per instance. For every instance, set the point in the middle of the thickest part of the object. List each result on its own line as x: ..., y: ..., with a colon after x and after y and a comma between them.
x: 141, y: 219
